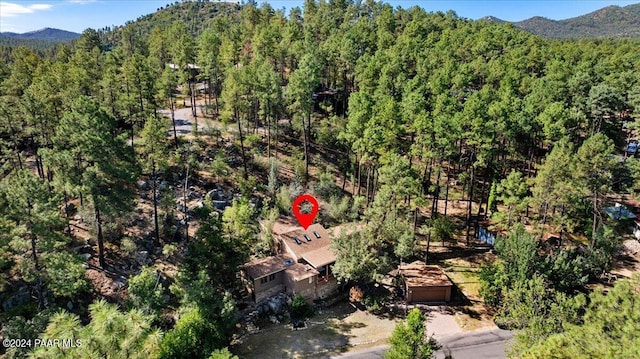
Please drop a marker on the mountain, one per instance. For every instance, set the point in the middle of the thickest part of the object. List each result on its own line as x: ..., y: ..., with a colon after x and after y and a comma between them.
x: 46, y: 34
x: 611, y: 21
x: 492, y: 19
x: 196, y: 15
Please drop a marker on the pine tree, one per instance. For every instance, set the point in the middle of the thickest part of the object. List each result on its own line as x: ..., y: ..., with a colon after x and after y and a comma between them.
x: 92, y: 160
x: 410, y: 340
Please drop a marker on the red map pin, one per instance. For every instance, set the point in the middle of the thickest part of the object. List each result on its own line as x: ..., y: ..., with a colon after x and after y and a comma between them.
x: 305, y: 219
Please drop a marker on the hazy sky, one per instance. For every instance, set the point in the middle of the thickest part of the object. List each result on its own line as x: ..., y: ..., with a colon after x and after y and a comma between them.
x: 77, y: 15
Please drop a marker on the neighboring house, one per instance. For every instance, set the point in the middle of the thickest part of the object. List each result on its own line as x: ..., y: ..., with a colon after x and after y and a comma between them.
x: 425, y: 283
x: 303, y: 267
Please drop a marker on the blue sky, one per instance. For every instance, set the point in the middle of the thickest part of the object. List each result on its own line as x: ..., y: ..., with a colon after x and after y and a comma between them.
x: 77, y: 15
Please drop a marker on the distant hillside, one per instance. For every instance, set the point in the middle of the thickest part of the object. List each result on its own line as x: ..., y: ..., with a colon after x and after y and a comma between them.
x: 195, y: 15
x: 46, y: 34
x: 611, y: 21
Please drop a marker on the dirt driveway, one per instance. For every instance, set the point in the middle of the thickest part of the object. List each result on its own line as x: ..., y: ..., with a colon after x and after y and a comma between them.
x: 329, y: 332
x: 341, y: 328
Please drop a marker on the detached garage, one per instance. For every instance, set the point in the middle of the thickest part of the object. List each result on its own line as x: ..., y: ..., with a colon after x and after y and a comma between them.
x: 425, y: 283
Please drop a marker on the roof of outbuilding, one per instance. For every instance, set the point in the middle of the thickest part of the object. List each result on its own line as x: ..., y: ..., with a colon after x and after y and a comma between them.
x: 418, y: 274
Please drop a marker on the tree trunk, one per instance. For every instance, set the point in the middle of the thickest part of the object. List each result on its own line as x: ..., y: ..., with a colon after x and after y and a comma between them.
x: 245, y: 174
x: 275, y: 148
x: 66, y: 212
x: 436, y: 192
x: 426, y: 253
x: 481, y: 201
x: 359, y: 160
x: 306, y: 150
x: 14, y: 138
x: 446, y: 193
x: 186, y: 210
x: 155, y: 203
x: 473, y: 172
x: 216, y: 99
x: 368, y: 184
x: 595, y: 218
x: 100, y: 238
x: 266, y: 119
x: 34, y: 255
x: 426, y: 182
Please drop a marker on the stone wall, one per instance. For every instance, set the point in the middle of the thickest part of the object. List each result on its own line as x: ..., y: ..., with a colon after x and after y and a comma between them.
x: 269, y: 292
x: 326, y: 288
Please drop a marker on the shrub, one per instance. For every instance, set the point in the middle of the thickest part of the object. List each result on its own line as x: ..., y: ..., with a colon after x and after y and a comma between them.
x: 300, y: 309
x: 326, y: 186
x: 339, y: 209
x: 128, y: 246
x: 145, y: 290
x: 222, y: 354
x: 442, y: 229
x: 168, y: 250
x: 192, y: 337
x: 373, y: 303
x: 65, y: 274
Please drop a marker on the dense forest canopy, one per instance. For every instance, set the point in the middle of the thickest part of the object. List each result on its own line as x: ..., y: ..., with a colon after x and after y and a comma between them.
x: 386, y: 114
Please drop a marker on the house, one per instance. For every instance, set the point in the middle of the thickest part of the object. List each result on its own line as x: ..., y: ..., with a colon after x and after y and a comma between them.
x: 303, y: 265
x: 265, y: 277
x: 425, y: 283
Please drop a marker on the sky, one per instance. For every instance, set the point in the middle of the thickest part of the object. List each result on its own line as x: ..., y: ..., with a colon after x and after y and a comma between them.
x: 77, y: 15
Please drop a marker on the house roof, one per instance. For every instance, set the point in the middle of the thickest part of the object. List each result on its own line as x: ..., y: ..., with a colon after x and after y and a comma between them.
x: 189, y: 66
x: 418, y: 274
x: 320, y: 257
x: 262, y: 267
x: 300, y: 271
x: 282, y: 225
x: 304, y: 246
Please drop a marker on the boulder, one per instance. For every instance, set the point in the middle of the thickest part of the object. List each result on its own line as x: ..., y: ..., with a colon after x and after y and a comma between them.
x: 121, y: 282
x: 142, y: 257
x: 16, y: 300
x: 143, y: 185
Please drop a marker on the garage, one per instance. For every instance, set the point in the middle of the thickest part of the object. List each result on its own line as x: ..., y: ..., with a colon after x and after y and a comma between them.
x: 425, y: 283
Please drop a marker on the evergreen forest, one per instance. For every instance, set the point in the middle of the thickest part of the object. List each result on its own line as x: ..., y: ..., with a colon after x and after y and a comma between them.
x: 425, y: 128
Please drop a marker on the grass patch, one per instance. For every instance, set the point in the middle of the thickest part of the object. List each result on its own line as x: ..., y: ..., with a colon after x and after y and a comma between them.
x: 465, y: 276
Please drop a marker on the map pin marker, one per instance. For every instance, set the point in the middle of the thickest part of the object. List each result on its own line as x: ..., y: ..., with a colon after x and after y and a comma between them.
x: 305, y: 219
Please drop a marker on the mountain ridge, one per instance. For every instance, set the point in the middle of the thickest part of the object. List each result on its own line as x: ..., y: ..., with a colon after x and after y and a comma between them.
x: 610, y: 21
x: 45, y: 34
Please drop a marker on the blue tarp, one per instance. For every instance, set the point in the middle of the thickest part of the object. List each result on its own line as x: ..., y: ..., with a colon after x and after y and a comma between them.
x: 486, y: 236
x: 619, y: 212
x: 632, y: 147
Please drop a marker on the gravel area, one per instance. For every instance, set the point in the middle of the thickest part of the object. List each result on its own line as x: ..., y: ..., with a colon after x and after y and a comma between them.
x: 631, y: 247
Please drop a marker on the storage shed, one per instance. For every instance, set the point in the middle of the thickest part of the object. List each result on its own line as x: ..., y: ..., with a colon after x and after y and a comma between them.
x: 425, y: 283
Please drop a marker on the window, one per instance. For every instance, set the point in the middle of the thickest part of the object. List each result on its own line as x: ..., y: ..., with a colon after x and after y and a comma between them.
x: 263, y: 280
x: 310, y: 280
x: 316, y: 234
x: 295, y: 239
x: 272, y: 277
x: 307, y: 238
